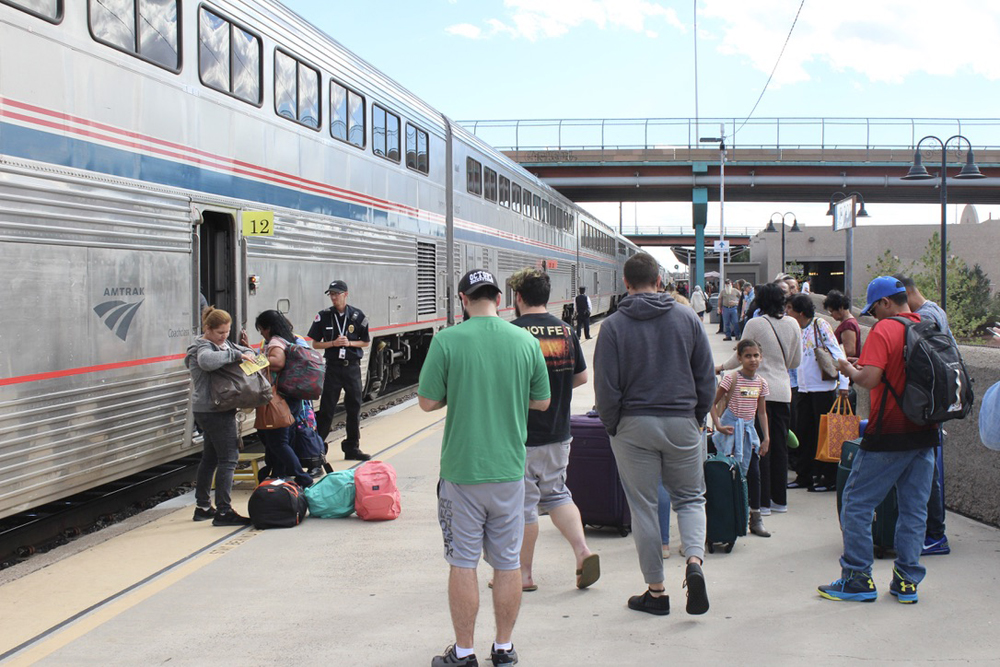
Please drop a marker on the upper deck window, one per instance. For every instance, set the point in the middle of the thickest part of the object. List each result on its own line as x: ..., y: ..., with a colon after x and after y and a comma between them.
x: 473, y: 176
x: 50, y: 10
x: 229, y: 57
x: 490, y: 184
x: 347, y: 115
x: 147, y: 29
x: 515, y: 197
x: 296, y: 90
x: 505, y: 191
x: 385, y: 133
x: 416, y: 149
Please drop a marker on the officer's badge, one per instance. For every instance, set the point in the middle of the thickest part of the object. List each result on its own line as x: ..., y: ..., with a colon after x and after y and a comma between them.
x: 350, y: 329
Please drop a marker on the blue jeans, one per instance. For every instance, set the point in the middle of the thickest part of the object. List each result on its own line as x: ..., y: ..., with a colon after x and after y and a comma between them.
x: 872, y: 477
x: 729, y: 321
x: 663, y: 509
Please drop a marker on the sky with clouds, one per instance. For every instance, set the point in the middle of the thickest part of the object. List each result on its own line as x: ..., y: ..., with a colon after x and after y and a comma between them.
x: 532, y: 59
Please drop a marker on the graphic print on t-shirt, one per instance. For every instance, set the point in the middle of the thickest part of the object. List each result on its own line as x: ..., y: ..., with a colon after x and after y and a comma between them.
x: 556, y: 342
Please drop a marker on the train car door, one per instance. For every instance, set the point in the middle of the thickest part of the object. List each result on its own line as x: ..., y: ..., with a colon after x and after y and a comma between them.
x: 217, y: 266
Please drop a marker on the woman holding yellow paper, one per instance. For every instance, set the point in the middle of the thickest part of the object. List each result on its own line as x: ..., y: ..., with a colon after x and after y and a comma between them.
x: 221, y: 452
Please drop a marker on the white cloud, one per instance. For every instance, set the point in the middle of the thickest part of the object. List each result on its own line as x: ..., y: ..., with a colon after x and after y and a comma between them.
x: 464, y: 30
x: 884, y: 41
x: 541, y: 19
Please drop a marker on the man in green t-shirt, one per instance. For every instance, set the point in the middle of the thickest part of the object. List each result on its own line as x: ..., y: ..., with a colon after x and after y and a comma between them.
x: 489, y: 373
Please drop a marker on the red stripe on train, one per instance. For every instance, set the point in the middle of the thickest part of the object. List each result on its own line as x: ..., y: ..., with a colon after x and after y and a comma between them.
x: 88, y: 369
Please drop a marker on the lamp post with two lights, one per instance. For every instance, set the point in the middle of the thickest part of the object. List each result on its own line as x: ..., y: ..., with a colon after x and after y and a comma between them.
x: 770, y: 228
x: 918, y: 172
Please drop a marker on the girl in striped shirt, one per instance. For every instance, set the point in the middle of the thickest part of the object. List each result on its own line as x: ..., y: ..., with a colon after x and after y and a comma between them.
x: 743, y: 393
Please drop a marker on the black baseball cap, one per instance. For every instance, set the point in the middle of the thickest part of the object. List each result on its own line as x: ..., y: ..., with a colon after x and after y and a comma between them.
x: 475, y: 280
x: 337, y: 286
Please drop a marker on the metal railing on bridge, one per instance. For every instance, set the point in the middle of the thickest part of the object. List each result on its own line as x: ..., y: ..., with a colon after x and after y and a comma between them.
x: 894, y: 139
x: 684, y: 230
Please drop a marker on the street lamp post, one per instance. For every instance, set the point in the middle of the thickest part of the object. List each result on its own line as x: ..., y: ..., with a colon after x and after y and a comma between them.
x: 721, y: 140
x: 849, y: 250
x: 770, y: 228
x: 918, y: 173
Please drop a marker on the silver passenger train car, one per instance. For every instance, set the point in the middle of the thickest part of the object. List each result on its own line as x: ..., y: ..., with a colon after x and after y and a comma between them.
x: 154, y: 149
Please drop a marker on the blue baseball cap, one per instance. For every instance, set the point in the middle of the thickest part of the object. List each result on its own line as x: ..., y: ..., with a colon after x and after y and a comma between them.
x: 880, y: 288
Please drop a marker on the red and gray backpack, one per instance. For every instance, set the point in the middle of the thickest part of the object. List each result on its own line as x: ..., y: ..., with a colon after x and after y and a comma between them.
x: 938, y: 386
x: 303, y: 374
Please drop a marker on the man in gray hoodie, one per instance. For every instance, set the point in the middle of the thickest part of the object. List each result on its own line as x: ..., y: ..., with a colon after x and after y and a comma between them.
x: 654, y: 380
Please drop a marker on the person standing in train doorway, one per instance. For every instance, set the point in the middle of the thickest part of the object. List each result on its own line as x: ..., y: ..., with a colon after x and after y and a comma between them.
x: 583, y: 309
x: 342, y: 331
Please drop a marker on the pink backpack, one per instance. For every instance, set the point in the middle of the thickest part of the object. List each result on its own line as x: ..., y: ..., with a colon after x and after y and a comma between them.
x: 376, y: 496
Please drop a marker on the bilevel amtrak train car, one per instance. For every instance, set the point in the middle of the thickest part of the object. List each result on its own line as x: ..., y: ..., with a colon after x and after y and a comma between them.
x: 154, y: 149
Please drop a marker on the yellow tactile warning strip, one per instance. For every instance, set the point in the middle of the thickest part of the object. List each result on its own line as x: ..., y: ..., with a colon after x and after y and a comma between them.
x: 46, y: 610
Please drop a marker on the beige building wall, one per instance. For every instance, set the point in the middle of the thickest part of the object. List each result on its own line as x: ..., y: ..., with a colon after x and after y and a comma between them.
x: 974, y: 243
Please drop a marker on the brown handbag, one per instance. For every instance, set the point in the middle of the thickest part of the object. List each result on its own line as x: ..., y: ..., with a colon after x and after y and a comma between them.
x: 273, y: 414
x: 824, y: 359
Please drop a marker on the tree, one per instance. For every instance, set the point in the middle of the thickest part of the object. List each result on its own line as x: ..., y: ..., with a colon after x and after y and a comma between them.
x: 886, y: 264
x: 970, y: 303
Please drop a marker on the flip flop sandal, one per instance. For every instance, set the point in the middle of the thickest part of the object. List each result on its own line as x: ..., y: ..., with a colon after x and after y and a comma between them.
x: 590, y: 572
x: 524, y: 589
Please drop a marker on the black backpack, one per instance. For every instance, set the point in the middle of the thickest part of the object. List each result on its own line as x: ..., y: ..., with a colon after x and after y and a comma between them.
x: 938, y: 387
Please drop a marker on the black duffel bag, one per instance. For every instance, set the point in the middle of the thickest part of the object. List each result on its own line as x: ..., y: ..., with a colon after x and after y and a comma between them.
x: 277, y: 503
x: 230, y: 387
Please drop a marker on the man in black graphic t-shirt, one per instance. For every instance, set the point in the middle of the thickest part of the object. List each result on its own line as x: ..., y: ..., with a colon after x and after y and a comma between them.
x: 548, y: 432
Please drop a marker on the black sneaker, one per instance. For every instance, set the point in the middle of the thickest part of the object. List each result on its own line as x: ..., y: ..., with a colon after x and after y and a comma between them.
x: 230, y: 518
x: 355, y: 455
x: 498, y: 657
x: 660, y: 606
x: 203, y: 515
x: 449, y: 658
x: 694, y: 581
x: 904, y: 589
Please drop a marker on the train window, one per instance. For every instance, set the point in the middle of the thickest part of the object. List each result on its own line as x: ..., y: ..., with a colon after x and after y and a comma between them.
x: 385, y: 133
x: 473, y: 176
x: 347, y: 115
x: 526, y: 199
x: 416, y: 149
x: 515, y: 197
x: 553, y: 217
x: 147, y: 29
x: 536, y: 210
x: 545, y: 212
x: 490, y: 184
x: 229, y: 57
x: 296, y: 90
x: 505, y: 191
x: 50, y: 10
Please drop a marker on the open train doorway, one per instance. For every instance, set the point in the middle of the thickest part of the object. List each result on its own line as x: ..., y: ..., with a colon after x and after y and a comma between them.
x: 217, y: 264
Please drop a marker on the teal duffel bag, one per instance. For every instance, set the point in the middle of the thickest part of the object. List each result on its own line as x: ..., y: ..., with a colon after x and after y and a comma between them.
x: 332, y: 497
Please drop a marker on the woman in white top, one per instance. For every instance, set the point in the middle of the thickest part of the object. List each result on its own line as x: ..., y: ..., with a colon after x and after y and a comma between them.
x: 816, y: 395
x: 778, y: 338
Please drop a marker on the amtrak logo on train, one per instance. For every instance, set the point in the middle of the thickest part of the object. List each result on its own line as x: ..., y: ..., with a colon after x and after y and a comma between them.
x: 118, y: 315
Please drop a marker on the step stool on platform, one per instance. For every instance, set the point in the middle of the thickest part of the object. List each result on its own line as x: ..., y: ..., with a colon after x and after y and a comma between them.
x: 241, y: 474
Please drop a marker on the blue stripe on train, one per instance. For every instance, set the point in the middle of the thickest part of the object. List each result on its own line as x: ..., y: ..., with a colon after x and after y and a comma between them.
x: 32, y: 144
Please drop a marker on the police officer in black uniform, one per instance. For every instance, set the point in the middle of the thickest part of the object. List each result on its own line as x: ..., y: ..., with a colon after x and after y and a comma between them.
x: 342, y: 331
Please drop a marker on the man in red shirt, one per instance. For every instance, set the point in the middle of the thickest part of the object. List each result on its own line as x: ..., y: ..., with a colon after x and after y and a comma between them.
x: 894, y: 452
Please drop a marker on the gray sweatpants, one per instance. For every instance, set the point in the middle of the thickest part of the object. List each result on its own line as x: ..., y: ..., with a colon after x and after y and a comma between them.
x: 647, y: 450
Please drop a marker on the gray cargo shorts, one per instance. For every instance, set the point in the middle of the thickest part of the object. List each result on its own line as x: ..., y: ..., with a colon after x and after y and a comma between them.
x: 486, y: 519
x: 545, y: 479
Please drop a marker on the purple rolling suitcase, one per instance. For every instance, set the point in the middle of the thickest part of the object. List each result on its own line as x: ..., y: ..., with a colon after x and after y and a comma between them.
x: 592, y: 476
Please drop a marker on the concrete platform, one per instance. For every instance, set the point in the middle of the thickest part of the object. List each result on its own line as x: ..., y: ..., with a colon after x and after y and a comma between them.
x: 346, y: 592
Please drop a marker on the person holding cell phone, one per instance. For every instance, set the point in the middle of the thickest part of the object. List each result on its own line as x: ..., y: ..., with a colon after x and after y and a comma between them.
x: 342, y: 331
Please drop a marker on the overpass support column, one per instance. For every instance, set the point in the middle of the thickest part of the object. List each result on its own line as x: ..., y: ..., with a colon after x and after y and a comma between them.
x: 699, y: 215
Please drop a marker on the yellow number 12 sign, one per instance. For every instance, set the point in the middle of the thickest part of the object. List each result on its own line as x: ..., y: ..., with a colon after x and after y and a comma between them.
x: 258, y: 223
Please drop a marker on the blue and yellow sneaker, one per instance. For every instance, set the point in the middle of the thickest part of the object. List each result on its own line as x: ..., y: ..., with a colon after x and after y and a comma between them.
x: 904, y: 589
x: 859, y: 587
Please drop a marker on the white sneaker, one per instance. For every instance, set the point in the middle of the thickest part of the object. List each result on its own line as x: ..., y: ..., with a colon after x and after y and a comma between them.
x: 765, y: 511
x: 780, y: 509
